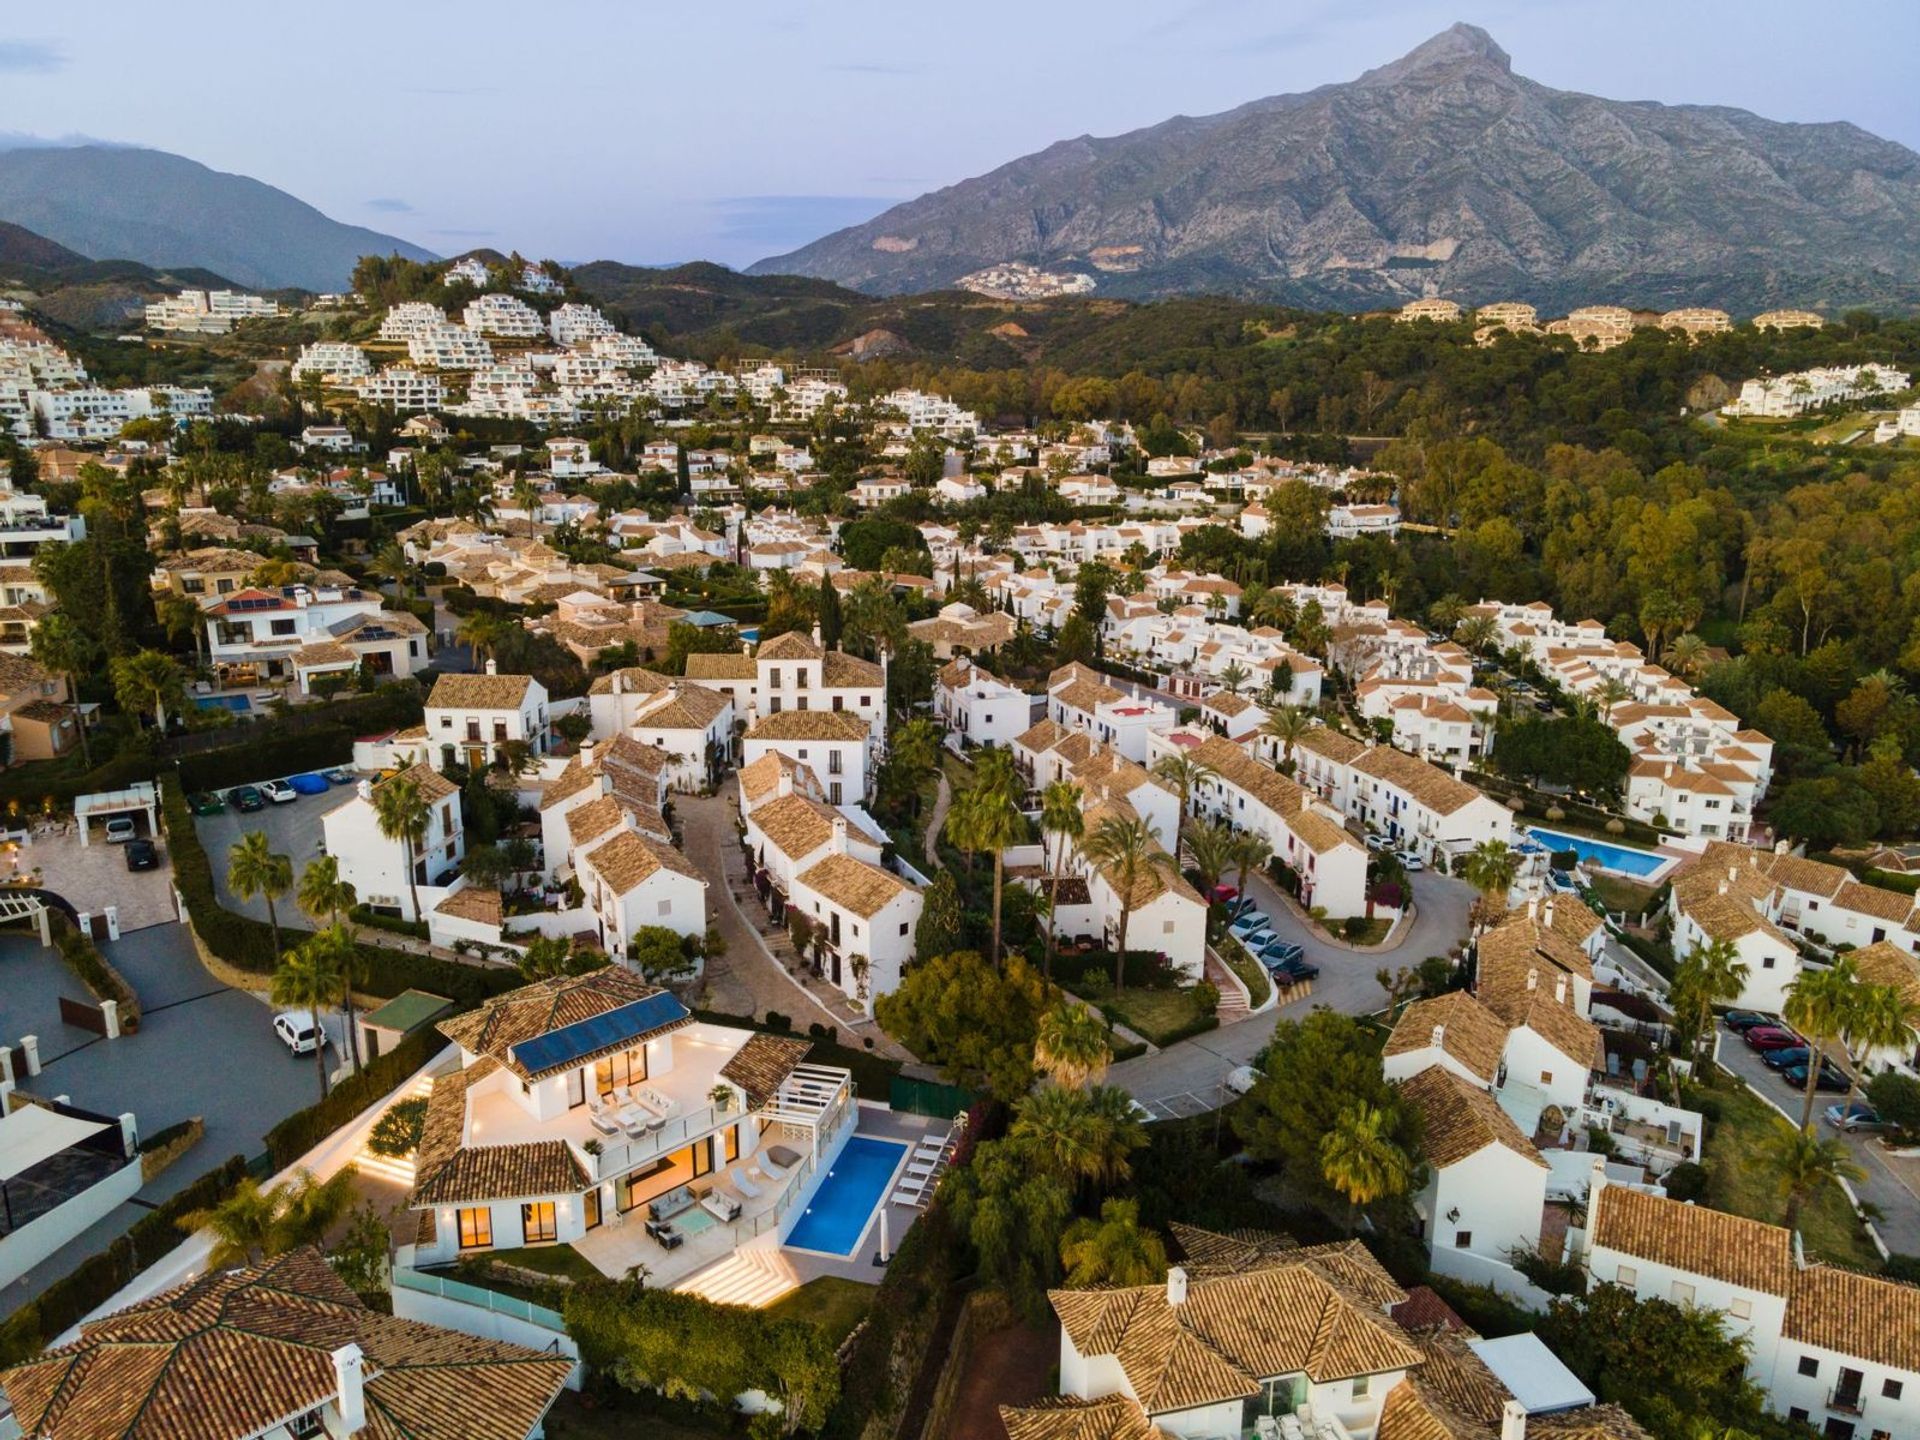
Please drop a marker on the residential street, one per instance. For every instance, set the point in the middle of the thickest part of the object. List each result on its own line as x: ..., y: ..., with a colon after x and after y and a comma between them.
x: 1189, y: 1077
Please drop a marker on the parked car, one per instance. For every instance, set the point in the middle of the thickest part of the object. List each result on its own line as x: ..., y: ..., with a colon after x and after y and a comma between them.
x: 1857, y: 1116
x: 246, y: 799
x: 1832, y: 1078
x: 1249, y: 923
x: 1741, y: 1021
x: 1409, y: 860
x: 1292, y: 972
x: 1781, y: 1059
x: 1242, y: 1078
x: 296, y: 1031
x: 1378, y: 842
x: 1279, y: 951
x: 1225, y: 894
x: 336, y: 776
x: 205, y: 802
x: 142, y: 855
x: 121, y: 829
x: 1771, y: 1037
x: 279, y: 792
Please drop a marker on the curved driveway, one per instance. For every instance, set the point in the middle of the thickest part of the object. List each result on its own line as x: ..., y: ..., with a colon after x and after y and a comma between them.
x: 1190, y: 1077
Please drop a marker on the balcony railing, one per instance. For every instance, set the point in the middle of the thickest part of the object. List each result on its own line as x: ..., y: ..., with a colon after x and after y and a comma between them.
x: 617, y: 1157
x: 493, y: 1300
x: 1846, y: 1402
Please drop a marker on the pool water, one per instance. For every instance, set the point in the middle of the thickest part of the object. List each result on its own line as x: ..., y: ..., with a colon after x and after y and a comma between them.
x: 844, y: 1204
x: 1598, y: 852
x: 238, y: 704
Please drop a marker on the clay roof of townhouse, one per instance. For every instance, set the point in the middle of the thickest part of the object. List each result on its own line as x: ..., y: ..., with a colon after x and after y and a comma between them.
x: 212, y: 560
x: 1087, y: 695
x: 1044, y: 735
x: 1525, y: 940
x: 1423, y: 1309
x: 1729, y: 1248
x: 732, y: 666
x: 634, y: 680
x: 1884, y: 963
x: 1106, y: 772
x: 1872, y: 900
x: 448, y: 1171
x: 1534, y: 1008
x: 793, y: 645
x: 854, y: 885
x: 1073, y: 672
x: 1343, y: 749
x: 629, y: 859
x: 1460, y: 1119
x: 1231, y: 1332
x: 323, y: 652
x: 1223, y: 702
x: 624, y: 753
x: 1727, y: 917
x: 480, y: 904
x: 682, y: 707
x: 1318, y: 833
x: 796, y: 825
x: 1152, y: 881
x: 234, y: 1353
x: 1239, y: 769
x: 590, y: 821
x: 1113, y: 1417
x: 432, y: 785
x: 1231, y: 1250
x: 576, y: 775
x: 762, y: 777
x: 1743, y: 872
x: 840, y: 671
x: 479, y: 692
x: 1864, y: 1316
x: 19, y: 674
x: 1469, y: 1032
x: 1455, y: 1395
x: 809, y: 725
x: 759, y: 1066
x: 1428, y: 784
x: 493, y: 1029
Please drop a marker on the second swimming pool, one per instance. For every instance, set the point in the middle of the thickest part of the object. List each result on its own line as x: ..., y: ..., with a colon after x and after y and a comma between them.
x: 837, y: 1217
x: 1617, y: 858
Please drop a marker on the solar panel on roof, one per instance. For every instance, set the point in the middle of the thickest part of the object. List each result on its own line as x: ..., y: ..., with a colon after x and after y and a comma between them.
x: 599, y: 1032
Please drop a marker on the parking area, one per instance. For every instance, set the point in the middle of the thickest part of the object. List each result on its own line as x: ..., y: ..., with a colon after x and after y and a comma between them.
x: 93, y: 876
x: 294, y: 830
x: 202, y: 1049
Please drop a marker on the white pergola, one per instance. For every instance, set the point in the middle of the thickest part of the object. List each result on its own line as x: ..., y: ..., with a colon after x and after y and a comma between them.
x: 139, y: 796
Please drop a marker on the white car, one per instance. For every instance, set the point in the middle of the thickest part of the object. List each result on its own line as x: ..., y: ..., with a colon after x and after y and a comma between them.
x: 296, y: 1031
x: 1242, y: 1078
x: 1409, y: 860
x: 121, y: 829
x: 279, y: 792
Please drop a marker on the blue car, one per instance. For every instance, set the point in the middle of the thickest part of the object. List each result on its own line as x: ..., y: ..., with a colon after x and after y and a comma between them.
x: 1832, y: 1078
x: 1292, y: 972
x: 1280, y: 951
x: 1781, y: 1059
x: 1251, y: 923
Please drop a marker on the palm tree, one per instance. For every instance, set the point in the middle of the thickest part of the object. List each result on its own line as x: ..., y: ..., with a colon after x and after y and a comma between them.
x: 1880, y: 1018
x: 1712, y: 973
x: 1250, y: 851
x: 1234, y: 676
x: 1687, y: 653
x: 1609, y: 693
x: 401, y: 812
x: 325, y: 896
x: 1113, y: 1250
x: 1183, y: 772
x: 62, y: 647
x: 391, y: 561
x: 913, y: 752
x: 1082, y: 1136
x: 1491, y: 868
x: 147, y: 681
x: 1820, y: 1005
x: 309, y: 1208
x: 1073, y: 1045
x: 481, y: 633
x: 1802, y: 1165
x: 1062, y: 818
x: 1360, y: 1159
x: 309, y: 977
x: 254, y: 869
x: 242, y: 1225
x: 1477, y: 632
x: 1210, y: 850
x: 1124, y: 851
x: 1287, y: 726
x: 991, y: 821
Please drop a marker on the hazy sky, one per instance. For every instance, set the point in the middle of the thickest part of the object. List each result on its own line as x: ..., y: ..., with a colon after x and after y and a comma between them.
x: 631, y: 130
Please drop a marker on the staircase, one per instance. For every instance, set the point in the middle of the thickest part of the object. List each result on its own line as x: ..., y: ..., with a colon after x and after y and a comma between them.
x: 394, y: 1169
x: 1233, y: 1000
x: 755, y: 1277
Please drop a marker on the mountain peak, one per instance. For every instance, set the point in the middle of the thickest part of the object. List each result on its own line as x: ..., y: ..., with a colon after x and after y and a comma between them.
x: 1457, y: 44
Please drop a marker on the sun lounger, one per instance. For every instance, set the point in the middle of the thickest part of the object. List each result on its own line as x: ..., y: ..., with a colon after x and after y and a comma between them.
x: 740, y: 1182
x: 764, y: 1167
x: 911, y: 1193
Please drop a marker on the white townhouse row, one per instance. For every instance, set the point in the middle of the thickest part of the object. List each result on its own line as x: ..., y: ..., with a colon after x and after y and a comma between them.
x: 802, y: 399
x: 1427, y: 696
x: 449, y: 347
x: 334, y: 362
x: 506, y: 317
x: 93, y: 413
x: 1415, y: 805
x: 411, y: 318
x: 1200, y: 654
x: 576, y: 324
x: 978, y: 706
x: 403, y: 389
x: 1835, y: 1349
x: 1352, y: 522
x: 1781, y: 397
x: 1079, y: 698
x: 207, y: 312
x: 937, y: 413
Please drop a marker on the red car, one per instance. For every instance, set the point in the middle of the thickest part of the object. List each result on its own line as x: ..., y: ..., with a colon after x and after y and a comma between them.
x: 1770, y: 1037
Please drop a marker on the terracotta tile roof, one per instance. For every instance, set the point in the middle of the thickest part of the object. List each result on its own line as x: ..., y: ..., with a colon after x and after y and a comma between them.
x: 1461, y: 1119
x: 793, y: 645
x: 1243, y: 772
x: 1524, y: 938
x: 588, y: 822
x: 759, y: 1066
x: 1423, y: 1309
x: 1864, y: 1316
x: 1087, y: 695
x: 233, y: 1354
x: 1730, y: 1248
x: 479, y: 692
x: 1470, y: 1032
x: 1884, y: 963
x: 628, y: 859
x: 796, y: 825
x: 1343, y: 749
x: 682, y: 707
x: 571, y: 780
x: 1318, y: 833
x: 473, y: 902
x: 853, y: 885
x: 493, y: 1029
x: 1114, y: 1417
x: 734, y: 666
x: 762, y: 777
x: 1429, y: 785
x: 1872, y: 900
x: 809, y: 725
x: 1232, y: 1332
x: 634, y: 680
x: 840, y: 671
x: 432, y: 785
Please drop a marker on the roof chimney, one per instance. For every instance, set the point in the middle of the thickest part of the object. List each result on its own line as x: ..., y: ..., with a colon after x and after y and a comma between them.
x: 1733, y: 872
x: 1546, y: 913
x: 493, y: 666
x: 1513, y: 1421
x: 1176, y: 1285
x: 1439, y: 1036
x: 586, y: 753
x: 1560, y: 988
x: 1533, y: 906
x: 839, y: 834
x: 350, y: 1385
x: 785, y: 786
x: 1533, y: 978
x: 816, y: 633
x: 619, y: 686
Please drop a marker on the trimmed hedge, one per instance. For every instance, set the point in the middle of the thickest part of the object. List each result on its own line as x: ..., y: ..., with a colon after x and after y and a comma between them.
x: 302, y: 1130
x: 152, y: 1237
x: 247, y: 944
x: 317, y: 749
x: 888, y: 1352
x: 83, y: 957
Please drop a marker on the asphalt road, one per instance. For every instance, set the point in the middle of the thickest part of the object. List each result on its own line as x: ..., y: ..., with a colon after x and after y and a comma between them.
x: 1189, y: 1078
x: 1899, y: 1206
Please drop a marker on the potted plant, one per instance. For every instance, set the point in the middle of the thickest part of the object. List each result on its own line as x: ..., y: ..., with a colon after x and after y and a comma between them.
x: 721, y: 1098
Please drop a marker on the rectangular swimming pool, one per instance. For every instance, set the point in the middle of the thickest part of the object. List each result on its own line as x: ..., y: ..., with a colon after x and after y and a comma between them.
x: 1617, y: 858
x: 844, y: 1204
x: 238, y: 704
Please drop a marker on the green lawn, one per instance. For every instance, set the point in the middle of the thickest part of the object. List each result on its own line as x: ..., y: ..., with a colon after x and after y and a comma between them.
x: 1740, y: 1180
x: 833, y: 1304
x: 549, y: 1260
x: 1617, y: 894
x: 1374, y: 933
x: 1252, y: 973
x: 1162, y: 1016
